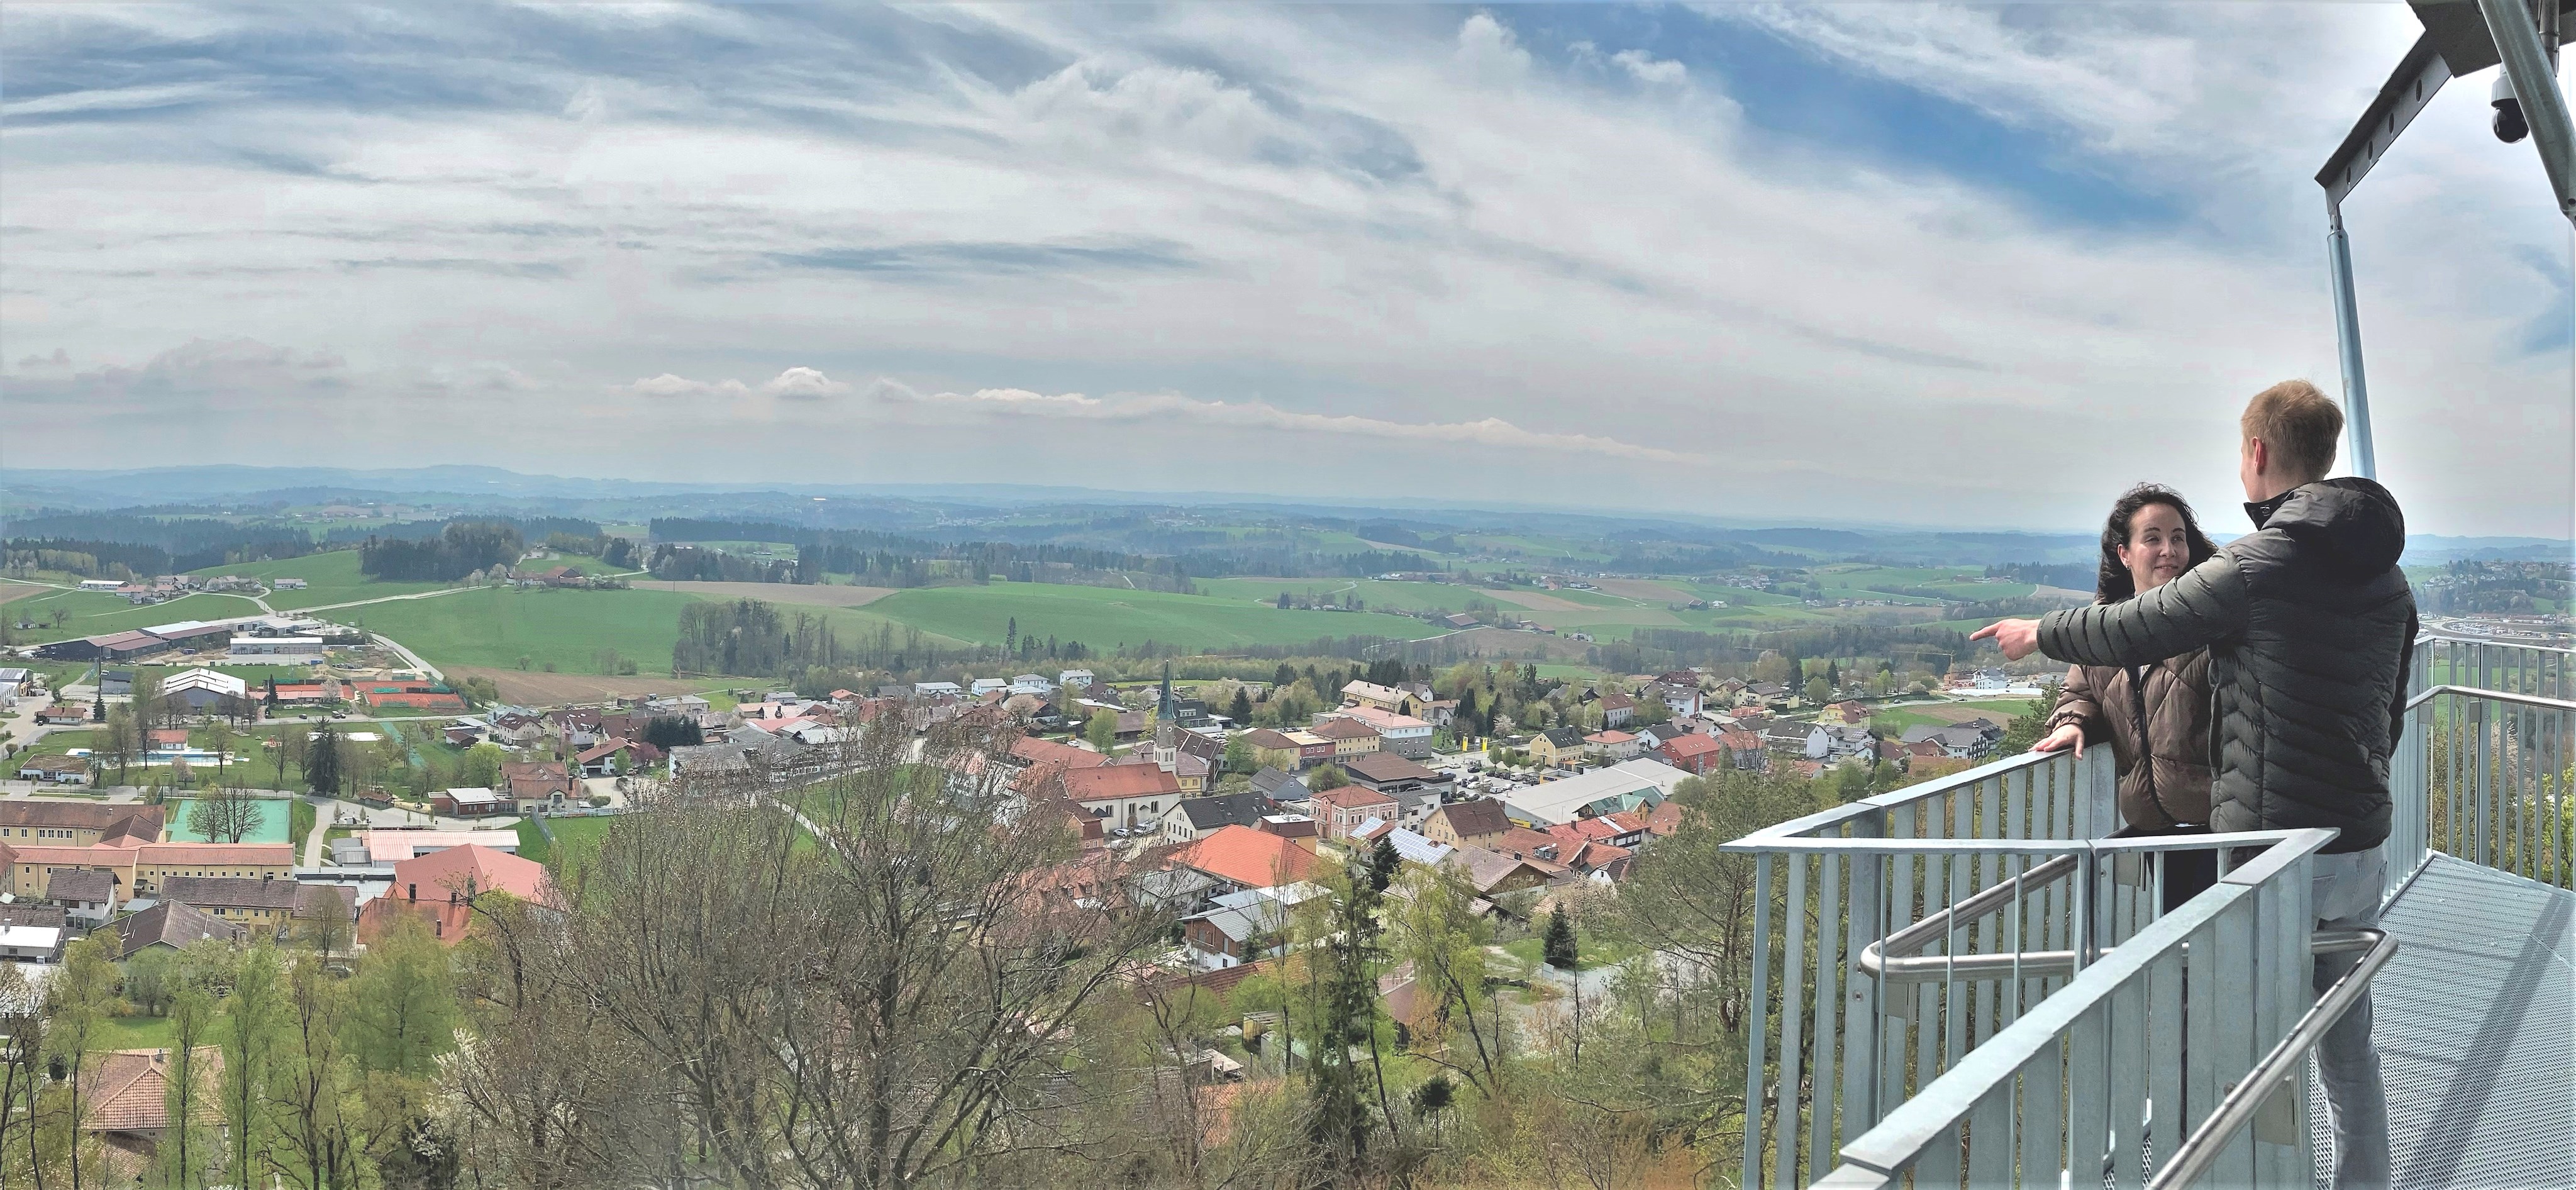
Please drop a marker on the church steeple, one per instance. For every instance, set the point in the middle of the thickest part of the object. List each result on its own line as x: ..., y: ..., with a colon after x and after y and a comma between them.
x: 1169, y: 709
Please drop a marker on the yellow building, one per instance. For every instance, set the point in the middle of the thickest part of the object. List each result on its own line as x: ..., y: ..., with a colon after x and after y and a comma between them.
x: 140, y: 869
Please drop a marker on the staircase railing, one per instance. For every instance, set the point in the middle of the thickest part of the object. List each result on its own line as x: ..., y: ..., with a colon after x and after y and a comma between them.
x: 1974, y: 979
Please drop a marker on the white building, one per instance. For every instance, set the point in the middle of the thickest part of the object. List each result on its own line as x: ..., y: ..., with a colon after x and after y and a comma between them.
x: 1635, y: 784
x: 1079, y: 679
x: 275, y: 650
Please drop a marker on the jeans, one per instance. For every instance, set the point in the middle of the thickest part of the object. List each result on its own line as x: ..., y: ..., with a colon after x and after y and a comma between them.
x: 2346, y: 890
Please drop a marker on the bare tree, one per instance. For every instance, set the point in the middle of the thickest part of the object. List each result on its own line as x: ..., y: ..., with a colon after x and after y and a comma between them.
x: 886, y: 986
x: 225, y: 812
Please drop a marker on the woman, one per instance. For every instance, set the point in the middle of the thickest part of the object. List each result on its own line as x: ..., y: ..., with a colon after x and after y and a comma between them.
x: 2155, y: 717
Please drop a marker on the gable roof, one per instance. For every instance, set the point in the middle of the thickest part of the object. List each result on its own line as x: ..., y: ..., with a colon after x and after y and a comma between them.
x: 1388, y: 766
x: 1353, y: 797
x: 1029, y: 749
x: 1477, y: 817
x: 129, y: 1090
x: 1242, y: 808
x: 473, y: 870
x: 173, y: 924
x: 1271, y: 781
x: 1251, y: 858
x: 230, y: 892
x: 81, y: 815
x: 1342, y: 727
x: 1110, y: 782
x: 1684, y: 747
x: 248, y: 855
x: 1563, y: 737
x: 80, y: 884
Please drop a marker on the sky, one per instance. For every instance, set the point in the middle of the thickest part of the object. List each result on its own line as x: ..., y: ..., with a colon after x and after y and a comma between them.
x: 1903, y: 263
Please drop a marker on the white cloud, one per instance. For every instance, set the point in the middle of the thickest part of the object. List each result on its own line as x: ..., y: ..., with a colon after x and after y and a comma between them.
x: 1489, y: 432
x: 1646, y: 68
x: 1443, y: 255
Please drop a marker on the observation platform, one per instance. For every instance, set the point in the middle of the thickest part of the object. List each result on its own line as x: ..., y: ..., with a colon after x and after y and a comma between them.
x: 2476, y: 1023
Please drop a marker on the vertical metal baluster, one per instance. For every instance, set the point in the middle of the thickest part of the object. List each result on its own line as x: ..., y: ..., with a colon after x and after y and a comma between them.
x: 1989, y: 933
x: 2043, y: 1113
x: 1940, y: 1163
x: 1793, y: 972
x: 2478, y: 840
x: 2128, y: 1076
x: 1829, y: 909
x: 2233, y: 1049
x: 1754, y: 1031
x: 1955, y: 1018
x: 2088, y: 1091
x: 1990, y: 1133
x: 1896, y: 997
x: 1862, y: 1014
x: 2164, y: 1052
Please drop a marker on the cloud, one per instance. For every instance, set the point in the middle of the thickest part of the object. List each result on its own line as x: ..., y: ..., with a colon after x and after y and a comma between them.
x: 794, y: 384
x: 1489, y: 432
x: 1474, y: 255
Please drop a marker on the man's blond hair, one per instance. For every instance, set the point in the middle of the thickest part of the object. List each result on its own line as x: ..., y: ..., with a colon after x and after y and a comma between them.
x: 2298, y: 425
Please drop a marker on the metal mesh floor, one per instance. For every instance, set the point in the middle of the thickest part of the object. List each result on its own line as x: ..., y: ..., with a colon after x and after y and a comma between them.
x: 2476, y: 1026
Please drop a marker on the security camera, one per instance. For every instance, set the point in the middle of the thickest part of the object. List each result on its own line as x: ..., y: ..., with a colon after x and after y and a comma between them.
x: 2509, y: 124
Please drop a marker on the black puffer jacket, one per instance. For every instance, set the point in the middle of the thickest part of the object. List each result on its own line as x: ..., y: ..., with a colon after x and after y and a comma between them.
x: 2310, y: 626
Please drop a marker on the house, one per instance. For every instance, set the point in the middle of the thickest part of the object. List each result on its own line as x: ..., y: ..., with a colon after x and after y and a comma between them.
x: 1278, y: 786
x: 1121, y: 795
x: 1493, y: 873
x: 1677, y: 698
x: 393, y: 845
x: 441, y: 886
x: 86, y: 895
x: 1403, y: 735
x: 165, y: 739
x: 203, y: 689
x: 1192, y: 819
x: 33, y: 933
x: 469, y: 801
x: 62, y: 714
x: 1613, y: 743
x: 1291, y: 750
x: 1243, y: 926
x: 1976, y: 739
x: 1417, y: 790
x: 1473, y: 823
x: 125, y: 1102
x: 1848, y: 712
x: 1617, y: 710
x: 269, y: 905
x: 1074, y: 679
x: 1344, y: 810
x: 53, y: 768
x: 1557, y: 746
x: 38, y: 822
x: 1744, y: 749
x: 539, y: 786
x: 1350, y: 737
x: 1693, y: 754
x: 604, y: 760
x: 1241, y: 857
x: 1629, y: 785
x: 156, y: 864
x: 1384, y: 698
x: 172, y: 926
x: 1835, y: 743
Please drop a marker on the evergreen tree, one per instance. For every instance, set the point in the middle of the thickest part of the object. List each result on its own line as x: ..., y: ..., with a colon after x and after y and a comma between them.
x: 322, y: 763
x: 1241, y: 710
x: 1283, y: 677
x: 1382, y: 862
x: 1557, y: 945
x: 1011, y: 636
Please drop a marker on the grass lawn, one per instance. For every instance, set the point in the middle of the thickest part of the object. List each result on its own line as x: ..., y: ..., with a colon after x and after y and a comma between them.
x: 576, y: 840
x: 300, y: 825
x: 1897, y: 719
x: 96, y: 614
x: 275, y: 820
x: 334, y: 578
x: 153, y: 1032
x: 1109, y: 618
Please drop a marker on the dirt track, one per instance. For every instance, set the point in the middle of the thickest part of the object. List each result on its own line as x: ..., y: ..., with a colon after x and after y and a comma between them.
x: 545, y: 689
x: 805, y: 593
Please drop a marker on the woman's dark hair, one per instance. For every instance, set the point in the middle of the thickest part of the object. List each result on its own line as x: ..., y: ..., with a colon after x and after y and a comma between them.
x: 2114, y: 583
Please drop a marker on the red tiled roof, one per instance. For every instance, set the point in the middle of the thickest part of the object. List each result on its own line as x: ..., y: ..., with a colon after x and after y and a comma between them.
x: 1684, y: 747
x: 1341, y: 728
x: 1254, y: 859
x: 470, y: 870
x: 1032, y: 750
x: 128, y: 1090
x: 1109, y: 782
x: 1353, y: 797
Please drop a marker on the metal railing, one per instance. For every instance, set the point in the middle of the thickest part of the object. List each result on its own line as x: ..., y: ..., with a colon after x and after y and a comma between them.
x: 1974, y: 978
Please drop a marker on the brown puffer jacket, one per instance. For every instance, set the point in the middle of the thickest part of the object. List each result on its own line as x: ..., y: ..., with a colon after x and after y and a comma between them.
x: 2173, y: 788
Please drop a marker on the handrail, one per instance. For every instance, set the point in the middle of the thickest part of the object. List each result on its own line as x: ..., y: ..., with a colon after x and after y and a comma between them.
x: 2198, y: 1154
x: 2031, y: 964
x: 2528, y: 700
x: 2428, y: 636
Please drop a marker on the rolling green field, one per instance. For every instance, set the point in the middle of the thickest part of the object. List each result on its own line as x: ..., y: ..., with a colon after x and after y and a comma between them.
x: 1107, y: 618
x: 1897, y: 719
x: 496, y: 626
x: 96, y: 614
x: 1400, y: 597
x: 334, y: 577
